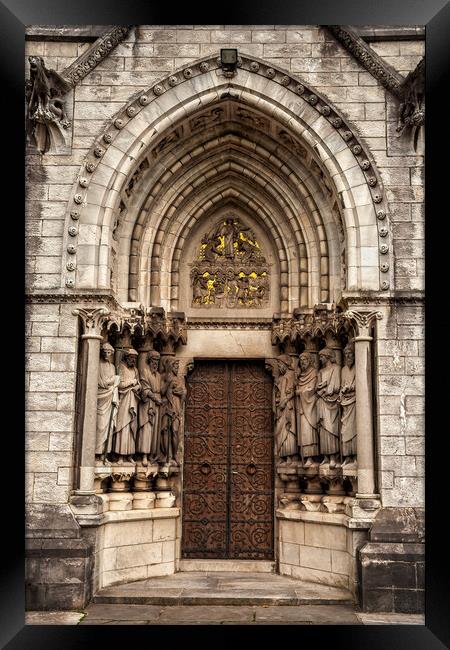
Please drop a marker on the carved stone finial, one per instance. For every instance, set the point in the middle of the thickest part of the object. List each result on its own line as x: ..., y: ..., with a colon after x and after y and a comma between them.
x: 92, y: 320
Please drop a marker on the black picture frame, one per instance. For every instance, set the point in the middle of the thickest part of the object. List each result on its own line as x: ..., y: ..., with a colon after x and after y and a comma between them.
x: 435, y: 15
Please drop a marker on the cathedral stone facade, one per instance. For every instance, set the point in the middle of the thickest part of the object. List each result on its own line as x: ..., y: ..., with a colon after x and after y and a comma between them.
x: 225, y: 307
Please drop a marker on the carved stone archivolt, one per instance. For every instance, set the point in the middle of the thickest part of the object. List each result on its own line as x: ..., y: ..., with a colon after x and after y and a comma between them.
x: 323, y: 410
x: 230, y: 270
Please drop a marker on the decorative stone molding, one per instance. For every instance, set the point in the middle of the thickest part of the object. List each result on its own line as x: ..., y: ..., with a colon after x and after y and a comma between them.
x: 93, y: 320
x: 199, y: 324
x: 362, y: 319
x: 98, y: 51
x: 371, y: 61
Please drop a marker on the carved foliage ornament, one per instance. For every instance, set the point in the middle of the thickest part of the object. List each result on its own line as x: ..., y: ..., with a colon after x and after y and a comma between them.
x: 230, y: 269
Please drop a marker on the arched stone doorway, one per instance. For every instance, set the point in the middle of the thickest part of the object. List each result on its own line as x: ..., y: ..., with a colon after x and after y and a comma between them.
x: 268, y: 155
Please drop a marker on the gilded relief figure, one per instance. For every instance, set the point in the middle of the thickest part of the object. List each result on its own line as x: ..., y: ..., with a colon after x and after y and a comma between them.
x: 307, y: 430
x: 328, y: 407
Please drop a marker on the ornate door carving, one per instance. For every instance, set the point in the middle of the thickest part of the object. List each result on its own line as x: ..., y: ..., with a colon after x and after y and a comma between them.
x: 228, y: 462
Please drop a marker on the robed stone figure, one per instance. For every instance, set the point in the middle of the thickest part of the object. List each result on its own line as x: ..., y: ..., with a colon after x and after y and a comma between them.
x: 347, y: 398
x: 107, y: 401
x: 148, y: 439
x: 129, y: 390
x: 172, y: 410
x: 285, y: 429
x: 328, y: 406
x: 308, y: 435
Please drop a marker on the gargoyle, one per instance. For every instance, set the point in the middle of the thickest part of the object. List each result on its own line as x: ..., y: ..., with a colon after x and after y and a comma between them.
x: 46, y: 115
x: 412, y: 106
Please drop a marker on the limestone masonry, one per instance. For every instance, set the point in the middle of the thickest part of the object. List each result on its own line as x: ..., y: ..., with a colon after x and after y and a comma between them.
x: 225, y: 306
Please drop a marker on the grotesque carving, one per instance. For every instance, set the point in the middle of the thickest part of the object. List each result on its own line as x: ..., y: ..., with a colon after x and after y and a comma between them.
x: 149, y: 409
x: 285, y: 430
x: 328, y: 407
x: 46, y: 107
x: 347, y: 398
x: 412, y: 106
x: 308, y: 436
x: 230, y: 270
x: 107, y: 401
x: 129, y: 391
x: 173, y: 392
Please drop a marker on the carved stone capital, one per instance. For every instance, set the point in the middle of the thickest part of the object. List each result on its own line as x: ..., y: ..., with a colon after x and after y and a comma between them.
x: 93, y: 320
x: 362, y: 319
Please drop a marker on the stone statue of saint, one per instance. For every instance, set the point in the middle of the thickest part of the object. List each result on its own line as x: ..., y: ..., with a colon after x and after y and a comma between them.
x: 172, y: 410
x: 328, y: 406
x: 308, y: 435
x: 107, y: 401
x: 148, y: 409
x: 347, y: 398
x: 129, y: 391
x: 285, y: 430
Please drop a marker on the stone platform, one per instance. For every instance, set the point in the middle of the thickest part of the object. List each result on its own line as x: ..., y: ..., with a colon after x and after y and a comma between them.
x: 222, y: 588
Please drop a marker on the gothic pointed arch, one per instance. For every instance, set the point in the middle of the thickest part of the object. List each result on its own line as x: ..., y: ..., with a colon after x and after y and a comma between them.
x: 175, y: 153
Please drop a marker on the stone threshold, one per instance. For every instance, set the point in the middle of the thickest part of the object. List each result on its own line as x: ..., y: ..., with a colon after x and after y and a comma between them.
x: 222, y: 588
x: 244, y: 566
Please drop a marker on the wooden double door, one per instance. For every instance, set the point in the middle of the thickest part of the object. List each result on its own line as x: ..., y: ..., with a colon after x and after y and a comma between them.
x: 228, y: 462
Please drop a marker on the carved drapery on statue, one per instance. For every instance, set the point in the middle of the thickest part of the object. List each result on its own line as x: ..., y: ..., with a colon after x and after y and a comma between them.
x: 230, y: 270
x: 320, y: 345
x: 107, y: 401
x: 140, y: 399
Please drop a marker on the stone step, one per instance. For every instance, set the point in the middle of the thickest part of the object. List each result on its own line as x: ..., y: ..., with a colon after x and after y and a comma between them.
x: 222, y: 588
x: 239, y: 566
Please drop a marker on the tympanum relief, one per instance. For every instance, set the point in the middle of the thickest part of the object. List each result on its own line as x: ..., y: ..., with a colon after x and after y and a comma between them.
x: 230, y: 270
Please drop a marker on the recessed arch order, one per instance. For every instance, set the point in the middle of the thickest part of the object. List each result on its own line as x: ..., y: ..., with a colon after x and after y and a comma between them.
x: 196, y: 140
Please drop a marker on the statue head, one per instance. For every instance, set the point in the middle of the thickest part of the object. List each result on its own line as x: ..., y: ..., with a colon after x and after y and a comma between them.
x: 326, y: 356
x: 284, y: 363
x: 153, y: 360
x: 305, y: 361
x: 106, y: 351
x: 349, y: 355
x: 131, y: 357
x: 175, y: 367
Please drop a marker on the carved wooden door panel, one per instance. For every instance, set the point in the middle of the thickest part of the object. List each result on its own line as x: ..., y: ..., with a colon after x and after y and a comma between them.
x: 228, y: 462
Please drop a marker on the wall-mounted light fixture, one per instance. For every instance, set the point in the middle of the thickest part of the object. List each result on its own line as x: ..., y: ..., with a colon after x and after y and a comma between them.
x: 229, y: 61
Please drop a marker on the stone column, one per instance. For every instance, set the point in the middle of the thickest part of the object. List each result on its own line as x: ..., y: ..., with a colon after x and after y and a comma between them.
x: 363, y: 320
x: 92, y: 320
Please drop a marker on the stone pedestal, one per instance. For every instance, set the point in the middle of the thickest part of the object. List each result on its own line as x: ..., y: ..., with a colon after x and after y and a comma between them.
x: 164, y: 500
x: 143, y: 500
x: 120, y: 501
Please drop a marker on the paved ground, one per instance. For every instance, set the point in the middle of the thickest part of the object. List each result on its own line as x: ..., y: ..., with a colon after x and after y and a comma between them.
x: 97, y: 614
x: 221, y: 598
